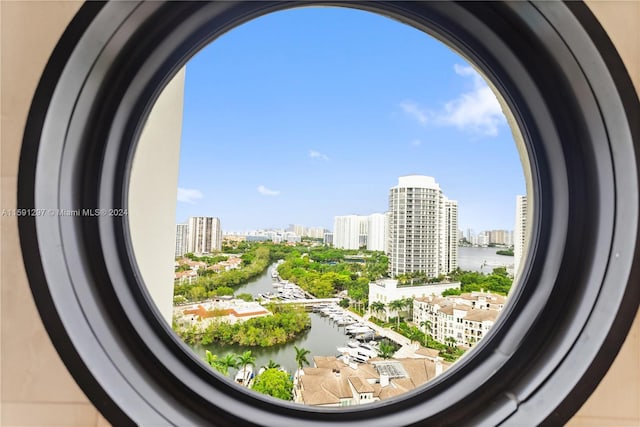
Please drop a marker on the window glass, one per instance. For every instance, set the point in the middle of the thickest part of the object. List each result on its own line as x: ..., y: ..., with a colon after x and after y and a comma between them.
x: 350, y: 210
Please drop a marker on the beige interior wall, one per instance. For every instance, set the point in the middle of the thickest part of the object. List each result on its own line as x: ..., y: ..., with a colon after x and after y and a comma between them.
x: 616, y: 401
x: 35, y: 388
x: 152, y: 195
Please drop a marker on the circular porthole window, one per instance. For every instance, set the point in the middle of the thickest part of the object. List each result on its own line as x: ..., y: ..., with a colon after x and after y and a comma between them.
x: 571, y: 99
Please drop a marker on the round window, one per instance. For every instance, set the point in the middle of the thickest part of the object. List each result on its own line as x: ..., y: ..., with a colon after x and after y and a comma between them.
x: 571, y: 99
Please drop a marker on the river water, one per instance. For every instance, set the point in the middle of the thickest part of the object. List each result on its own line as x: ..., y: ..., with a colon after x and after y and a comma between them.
x: 483, y: 260
x: 321, y: 340
x: 324, y: 336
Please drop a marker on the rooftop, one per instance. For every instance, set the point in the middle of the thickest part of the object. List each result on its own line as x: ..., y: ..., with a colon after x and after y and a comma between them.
x: 330, y: 382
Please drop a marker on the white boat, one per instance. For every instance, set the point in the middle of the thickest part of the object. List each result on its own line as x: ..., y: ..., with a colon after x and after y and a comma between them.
x: 359, y: 330
x: 359, y: 358
x: 353, y: 344
x: 244, y: 375
x: 367, y: 350
x: 366, y: 336
x: 345, y: 321
x: 354, y: 354
x: 356, y: 325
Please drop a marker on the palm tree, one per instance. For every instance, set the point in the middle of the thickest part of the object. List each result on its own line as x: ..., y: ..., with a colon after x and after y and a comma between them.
x: 212, y: 360
x: 377, y: 306
x: 408, y: 304
x: 426, y: 324
x: 451, y: 342
x: 397, y: 306
x: 244, y: 360
x: 230, y: 360
x: 271, y: 365
x: 386, y: 350
x: 301, y: 358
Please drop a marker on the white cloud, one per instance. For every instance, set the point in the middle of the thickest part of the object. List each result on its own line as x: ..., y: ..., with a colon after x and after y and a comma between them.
x: 477, y: 111
x: 413, y: 110
x: 189, y: 195
x: 267, y: 192
x: 465, y: 70
x: 317, y: 155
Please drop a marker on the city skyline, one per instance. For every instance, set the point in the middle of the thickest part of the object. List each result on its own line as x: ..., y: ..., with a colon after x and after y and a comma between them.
x: 297, y: 117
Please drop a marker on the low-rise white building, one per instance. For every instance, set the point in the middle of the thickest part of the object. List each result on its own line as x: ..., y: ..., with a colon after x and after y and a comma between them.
x: 388, y: 290
x: 202, y: 314
x: 466, y: 318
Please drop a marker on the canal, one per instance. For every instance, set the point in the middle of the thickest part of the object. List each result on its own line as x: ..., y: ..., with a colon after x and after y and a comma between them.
x: 321, y: 340
x: 324, y: 335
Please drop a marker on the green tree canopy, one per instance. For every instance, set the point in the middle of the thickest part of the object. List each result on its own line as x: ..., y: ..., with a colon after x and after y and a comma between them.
x: 386, y: 350
x: 276, y: 383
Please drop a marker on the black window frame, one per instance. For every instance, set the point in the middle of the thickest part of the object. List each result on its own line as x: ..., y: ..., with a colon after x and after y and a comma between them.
x: 572, y: 99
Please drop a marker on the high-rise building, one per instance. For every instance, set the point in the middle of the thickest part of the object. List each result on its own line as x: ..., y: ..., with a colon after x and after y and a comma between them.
x: 204, y: 235
x: 471, y: 235
x: 348, y: 231
x: 378, y: 231
x: 449, y: 254
x: 423, y: 228
x: 519, y: 234
x: 182, y: 235
x: 481, y: 239
x: 302, y: 231
x: 500, y: 237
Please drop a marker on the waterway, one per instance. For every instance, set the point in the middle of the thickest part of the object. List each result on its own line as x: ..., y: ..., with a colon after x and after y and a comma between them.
x: 258, y: 285
x: 324, y: 335
x: 483, y: 260
x: 321, y: 340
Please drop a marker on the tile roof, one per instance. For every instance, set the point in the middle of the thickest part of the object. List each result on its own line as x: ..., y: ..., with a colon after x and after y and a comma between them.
x: 328, y: 383
x: 360, y: 385
x: 482, y: 315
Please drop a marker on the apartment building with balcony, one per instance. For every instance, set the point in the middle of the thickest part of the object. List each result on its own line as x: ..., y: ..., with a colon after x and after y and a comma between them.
x: 465, y: 318
x: 423, y: 228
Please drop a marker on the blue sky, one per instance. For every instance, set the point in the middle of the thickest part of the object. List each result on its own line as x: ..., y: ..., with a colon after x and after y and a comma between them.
x: 302, y: 115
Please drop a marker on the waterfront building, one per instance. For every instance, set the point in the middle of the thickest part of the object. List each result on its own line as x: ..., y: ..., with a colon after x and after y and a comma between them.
x: 423, y: 228
x: 388, y: 290
x: 182, y: 236
x: 519, y: 234
x: 464, y: 318
x: 204, y: 235
x: 449, y: 252
x: 500, y: 237
x: 349, y: 231
x: 378, y: 232
x: 229, y: 310
x: 481, y: 239
x: 332, y: 382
